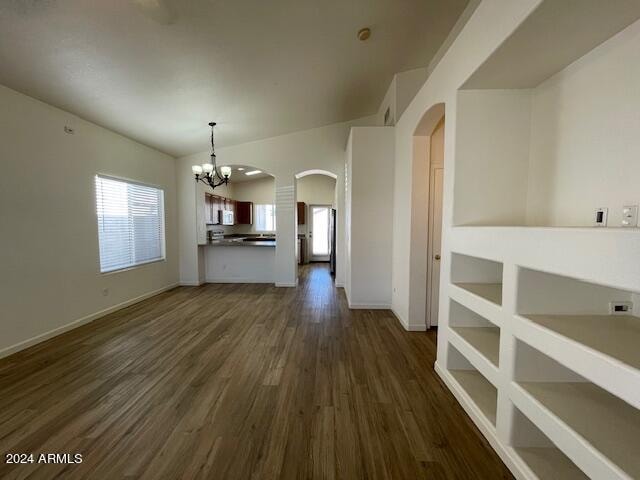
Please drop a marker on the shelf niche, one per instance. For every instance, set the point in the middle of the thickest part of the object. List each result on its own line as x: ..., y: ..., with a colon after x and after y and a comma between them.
x: 600, y: 423
x: 482, y: 393
x: 478, y: 276
x: 479, y: 332
x: 580, y: 311
x: 545, y: 126
x: 541, y: 455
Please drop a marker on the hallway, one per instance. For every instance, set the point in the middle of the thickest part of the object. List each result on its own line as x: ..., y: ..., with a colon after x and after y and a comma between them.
x: 240, y: 381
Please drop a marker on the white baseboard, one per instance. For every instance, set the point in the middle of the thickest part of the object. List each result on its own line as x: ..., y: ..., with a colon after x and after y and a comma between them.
x: 190, y: 284
x: 369, y: 306
x: 5, y: 352
x: 339, y: 284
x: 506, y: 453
x: 407, y: 326
x: 287, y: 284
x: 236, y: 280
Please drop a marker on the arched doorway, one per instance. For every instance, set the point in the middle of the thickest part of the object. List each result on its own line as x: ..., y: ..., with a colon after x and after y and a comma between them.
x: 426, y: 217
x: 317, y: 204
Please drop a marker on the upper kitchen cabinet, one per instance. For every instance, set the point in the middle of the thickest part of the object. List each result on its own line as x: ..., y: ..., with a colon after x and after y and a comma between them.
x: 211, y: 209
x: 302, y: 208
x: 244, y: 213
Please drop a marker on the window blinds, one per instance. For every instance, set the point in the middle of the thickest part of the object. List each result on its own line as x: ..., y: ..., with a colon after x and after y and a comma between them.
x: 130, y: 223
x: 265, y: 218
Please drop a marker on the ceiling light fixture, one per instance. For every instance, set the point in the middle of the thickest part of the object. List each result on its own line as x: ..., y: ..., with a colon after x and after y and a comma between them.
x: 241, y: 169
x: 253, y: 172
x: 364, y: 34
x: 207, y: 173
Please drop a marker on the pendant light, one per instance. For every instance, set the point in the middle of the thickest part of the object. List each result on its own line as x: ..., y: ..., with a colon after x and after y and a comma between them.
x: 208, y: 173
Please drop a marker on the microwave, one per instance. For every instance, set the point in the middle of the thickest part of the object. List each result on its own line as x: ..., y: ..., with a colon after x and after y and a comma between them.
x: 226, y: 217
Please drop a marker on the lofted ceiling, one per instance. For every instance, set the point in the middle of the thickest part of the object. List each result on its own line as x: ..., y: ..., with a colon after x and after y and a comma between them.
x: 158, y: 71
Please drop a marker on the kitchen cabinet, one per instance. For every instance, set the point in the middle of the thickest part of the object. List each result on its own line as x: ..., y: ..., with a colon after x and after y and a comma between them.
x: 210, y: 212
x: 244, y: 213
x: 302, y: 208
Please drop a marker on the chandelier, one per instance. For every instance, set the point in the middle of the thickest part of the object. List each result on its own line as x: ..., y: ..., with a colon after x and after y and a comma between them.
x: 208, y: 173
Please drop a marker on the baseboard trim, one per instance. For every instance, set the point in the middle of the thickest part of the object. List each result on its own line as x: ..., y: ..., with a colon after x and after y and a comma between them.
x: 236, y: 280
x: 190, y: 284
x: 287, y: 284
x: 339, y: 284
x: 369, y: 306
x: 506, y: 454
x: 406, y: 325
x: 5, y: 352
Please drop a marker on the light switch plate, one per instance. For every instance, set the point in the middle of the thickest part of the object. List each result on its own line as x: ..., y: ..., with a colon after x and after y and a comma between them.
x: 630, y: 216
x: 600, y: 217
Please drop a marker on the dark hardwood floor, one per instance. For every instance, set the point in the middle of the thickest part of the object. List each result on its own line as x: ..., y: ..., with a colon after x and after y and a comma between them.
x: 237, y: 382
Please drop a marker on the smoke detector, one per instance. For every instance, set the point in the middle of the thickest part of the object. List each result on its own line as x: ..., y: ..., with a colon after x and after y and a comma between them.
x: 364, y: 34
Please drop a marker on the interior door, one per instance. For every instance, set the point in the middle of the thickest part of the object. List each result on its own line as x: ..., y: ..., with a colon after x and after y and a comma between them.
x: 435, y: 241
x: 319, y: 233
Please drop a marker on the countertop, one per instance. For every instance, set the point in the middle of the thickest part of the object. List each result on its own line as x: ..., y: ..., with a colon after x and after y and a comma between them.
x: 243, y: 241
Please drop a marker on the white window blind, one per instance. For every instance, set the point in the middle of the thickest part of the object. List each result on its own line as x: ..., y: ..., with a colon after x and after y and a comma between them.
x: 265, y: 218
x: 130, y: 223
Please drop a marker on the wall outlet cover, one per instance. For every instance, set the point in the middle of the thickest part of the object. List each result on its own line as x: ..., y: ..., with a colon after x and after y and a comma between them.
x: 600, y: 218
x: 620, y: 308
x: 630, y: 216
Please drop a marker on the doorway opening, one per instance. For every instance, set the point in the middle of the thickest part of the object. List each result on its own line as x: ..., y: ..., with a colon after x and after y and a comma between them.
x: 316, y: 197
x: 320, y: 232
x: 434, y: 235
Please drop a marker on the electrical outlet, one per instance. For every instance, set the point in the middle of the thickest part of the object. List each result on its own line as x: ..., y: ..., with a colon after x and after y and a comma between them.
x: 600, y: 219
x: 630, y: 216
x: 620, y: 308
x: 105, y: 292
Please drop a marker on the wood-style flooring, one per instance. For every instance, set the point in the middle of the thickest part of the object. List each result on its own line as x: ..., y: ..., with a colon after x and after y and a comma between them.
x: 239, y: 382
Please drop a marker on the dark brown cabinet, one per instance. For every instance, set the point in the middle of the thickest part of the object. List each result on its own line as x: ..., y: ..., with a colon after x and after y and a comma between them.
x: 302, y: 208
x: 244, y: 213
x: 210, y: 209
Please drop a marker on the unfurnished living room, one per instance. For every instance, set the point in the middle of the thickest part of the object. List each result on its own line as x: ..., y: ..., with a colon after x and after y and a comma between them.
x: 320, y: 239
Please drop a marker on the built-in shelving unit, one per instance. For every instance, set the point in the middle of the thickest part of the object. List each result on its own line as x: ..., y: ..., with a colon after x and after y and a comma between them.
x: 528, y: 281
x: 567, y: 367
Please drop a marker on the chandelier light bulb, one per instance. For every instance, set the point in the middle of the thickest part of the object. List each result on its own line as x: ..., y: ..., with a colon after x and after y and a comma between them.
x: 196, y: 169
x: 207, y: 167
x: 225, y: 171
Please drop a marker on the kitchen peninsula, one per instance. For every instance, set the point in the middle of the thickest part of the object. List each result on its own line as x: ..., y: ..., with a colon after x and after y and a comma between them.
x: 240, y: 258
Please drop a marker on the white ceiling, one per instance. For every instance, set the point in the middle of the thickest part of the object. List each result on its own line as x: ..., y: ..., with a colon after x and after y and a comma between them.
x: 259, y: 68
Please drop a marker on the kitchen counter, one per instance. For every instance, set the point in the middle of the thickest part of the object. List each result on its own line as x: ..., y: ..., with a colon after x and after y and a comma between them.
x: 244, y: 259
x: 239, y: 240
x: 243, y: 243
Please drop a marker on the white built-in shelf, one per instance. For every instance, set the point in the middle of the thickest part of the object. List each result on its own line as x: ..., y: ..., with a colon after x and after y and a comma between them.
x: 603, y: 348
x: 617, y: 336
x: 550, y: 464
x: 602, y: 431
x: 489, y: 291
x: 484, y: 339
x: 481, y: 392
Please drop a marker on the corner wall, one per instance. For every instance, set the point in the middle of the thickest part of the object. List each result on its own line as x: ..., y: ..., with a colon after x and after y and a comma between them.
x: 51, y: 278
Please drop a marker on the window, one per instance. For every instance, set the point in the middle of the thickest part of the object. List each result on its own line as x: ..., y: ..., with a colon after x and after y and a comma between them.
x: 265, y: 218
x: 130, y: 223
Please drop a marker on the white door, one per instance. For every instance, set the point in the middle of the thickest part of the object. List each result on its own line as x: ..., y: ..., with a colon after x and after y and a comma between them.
x: 435, y: 242
x: 320, y: 238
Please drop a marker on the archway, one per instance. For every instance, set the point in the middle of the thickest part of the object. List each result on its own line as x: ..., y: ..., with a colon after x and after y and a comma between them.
x: 317, y: 218
x: 427, y: 177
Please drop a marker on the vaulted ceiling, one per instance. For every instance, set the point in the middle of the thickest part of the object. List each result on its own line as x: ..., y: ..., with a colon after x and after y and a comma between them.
x: 158, y: 71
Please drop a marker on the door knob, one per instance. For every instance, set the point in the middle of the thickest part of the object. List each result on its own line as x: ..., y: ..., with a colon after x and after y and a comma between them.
x: 437, y: 256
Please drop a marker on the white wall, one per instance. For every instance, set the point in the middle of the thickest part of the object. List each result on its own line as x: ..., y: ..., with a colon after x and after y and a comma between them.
x: 49, y: 243
x: 492, y: 157
x: 491, y: 23
x: 239, y: 264
x: 369, y: 158
x: 283, y: 157
x: 585, y: 149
